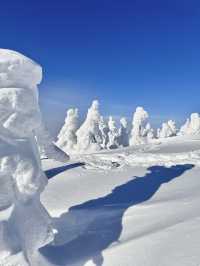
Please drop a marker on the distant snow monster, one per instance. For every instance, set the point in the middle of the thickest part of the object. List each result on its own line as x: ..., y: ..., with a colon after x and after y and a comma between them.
x: 89, y: 137
x: 184, y: 128
x: 28, y: 225
x: 103, y: 126
x: 123, y: 132
x: 113, y: 134
x: 67, y: 138
x: 138, y: 125
x: 148, y: 133
x: 191, y: 126
x: 168, y: 130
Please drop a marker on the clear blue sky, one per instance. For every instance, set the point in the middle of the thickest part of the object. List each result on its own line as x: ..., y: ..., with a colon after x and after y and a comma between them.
x: 125, y: 53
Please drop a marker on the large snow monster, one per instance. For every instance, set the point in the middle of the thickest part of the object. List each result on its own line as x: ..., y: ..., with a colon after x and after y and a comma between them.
x: 26, y: 226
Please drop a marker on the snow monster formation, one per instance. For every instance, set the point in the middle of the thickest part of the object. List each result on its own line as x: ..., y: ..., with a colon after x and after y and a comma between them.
x: 113, y: 134
x: 67, y: 138
x: 89, y: 136
x: 191, y: 126
x: 138, y: 125
x: 27, y: 225
x: 167, y: 130
x: 123, y: 132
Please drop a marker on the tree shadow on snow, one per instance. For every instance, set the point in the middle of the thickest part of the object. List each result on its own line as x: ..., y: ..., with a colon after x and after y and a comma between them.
x: 86, y: 230
x: 55, y: 171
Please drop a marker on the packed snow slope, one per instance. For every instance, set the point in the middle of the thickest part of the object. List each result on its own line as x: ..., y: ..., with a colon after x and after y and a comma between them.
x: 127, y: 207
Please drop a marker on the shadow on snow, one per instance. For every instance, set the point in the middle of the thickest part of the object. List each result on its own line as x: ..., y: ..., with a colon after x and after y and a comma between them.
x: 86, y: 230
x: 55, y: 171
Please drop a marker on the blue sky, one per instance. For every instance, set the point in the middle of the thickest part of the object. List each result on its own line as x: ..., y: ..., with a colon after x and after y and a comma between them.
x: 124, y: 53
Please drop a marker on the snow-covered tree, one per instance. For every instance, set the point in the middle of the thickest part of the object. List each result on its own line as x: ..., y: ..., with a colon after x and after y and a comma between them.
x: 150, y: 135
x: 113, y: 134
x: 168, y: 130
x: 185, y: 128
x: 164, y: 131
x: 89, y: 136
x: 158, y: 133
x: 103, y: 126
x: 139, y: 118
x: 67, y: 138
x: 146, y: 130
x: 28, y: 226
x: 172, y: 125
x: 123, y: 138
x: 192, y: 125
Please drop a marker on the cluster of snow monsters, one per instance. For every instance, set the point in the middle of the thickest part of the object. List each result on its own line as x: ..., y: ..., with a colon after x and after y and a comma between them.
x: 26, y: 225
x: 97, y: 133
x: 94, y: 134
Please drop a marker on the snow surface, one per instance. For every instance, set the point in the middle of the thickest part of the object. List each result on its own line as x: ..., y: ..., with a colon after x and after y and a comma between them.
x: 127, y: 207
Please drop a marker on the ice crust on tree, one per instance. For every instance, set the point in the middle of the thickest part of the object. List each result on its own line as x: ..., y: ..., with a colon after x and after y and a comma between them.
x: 191, y: 126
x: 138, y: 124
x: 89, y: 137
x: 67, y: 138
x: 22, y: 180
